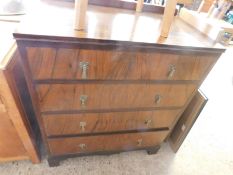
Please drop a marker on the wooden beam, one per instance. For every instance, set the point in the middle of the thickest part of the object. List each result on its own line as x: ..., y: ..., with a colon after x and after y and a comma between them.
x: 80, y: 14
x: 187, y: 120
x: 186, y: 2
x: 199, y: 10
x: 139, y: 5
x: 168, y: 16
x: 211, y: 9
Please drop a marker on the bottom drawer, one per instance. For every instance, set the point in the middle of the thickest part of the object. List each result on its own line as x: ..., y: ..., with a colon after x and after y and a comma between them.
x: 101, y: 143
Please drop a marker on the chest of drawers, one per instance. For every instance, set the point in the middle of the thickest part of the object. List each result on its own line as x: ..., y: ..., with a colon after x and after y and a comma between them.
x: 115, y: 86
x: 101, y: 98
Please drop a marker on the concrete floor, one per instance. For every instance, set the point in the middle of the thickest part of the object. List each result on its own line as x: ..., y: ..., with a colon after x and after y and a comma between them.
x: 207, y: 150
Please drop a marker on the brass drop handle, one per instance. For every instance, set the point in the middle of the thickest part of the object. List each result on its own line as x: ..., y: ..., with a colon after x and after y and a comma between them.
x: 157, y: 99
x: 83, y: 100
x: 148, y: 122
x: 139, y: 142
x: 82, y: 126
x: 171, y: 71
x: 82, y: 146
x: 84, y: 66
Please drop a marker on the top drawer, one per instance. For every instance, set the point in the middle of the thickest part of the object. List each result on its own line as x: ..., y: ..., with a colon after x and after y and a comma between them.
x: 77, y: 64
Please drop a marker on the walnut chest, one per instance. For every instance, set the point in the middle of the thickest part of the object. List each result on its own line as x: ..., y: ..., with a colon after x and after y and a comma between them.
x: 102, y: 95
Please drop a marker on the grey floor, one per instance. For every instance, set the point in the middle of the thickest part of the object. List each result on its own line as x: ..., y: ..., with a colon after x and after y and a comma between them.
x: 208, y: 148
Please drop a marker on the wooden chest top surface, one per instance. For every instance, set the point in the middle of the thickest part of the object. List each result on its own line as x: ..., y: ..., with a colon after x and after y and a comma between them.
x: 107, y: 24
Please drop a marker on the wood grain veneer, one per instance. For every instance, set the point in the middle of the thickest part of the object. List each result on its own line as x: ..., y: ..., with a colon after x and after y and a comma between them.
x: 93, y: 144
x: 67, y: 124
x: 105, y: 24
x: 66, y: 97
x: 64, y: 63
x: 11, y: 146
x: 17, y: 140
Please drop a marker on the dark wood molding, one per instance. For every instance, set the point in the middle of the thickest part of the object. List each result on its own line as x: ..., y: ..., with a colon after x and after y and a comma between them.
x: 75, y: 81
x: 30, y: 86
x: 54, y: 161
x: 107, y: 133
x: 153, y: 150
x: 72, y: 42
x: 108, y: 110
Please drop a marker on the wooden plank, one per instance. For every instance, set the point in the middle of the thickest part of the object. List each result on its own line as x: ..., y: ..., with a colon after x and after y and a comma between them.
x: 168, y: 16
x: 80, y: 14
x: 16, y: 116
x: 187, y: 120
x: 185, y: 1
x: 11, y: 145
x: 139, y: 5
x: 6, y: 159
x: 197, y: 21
x: 17, y: 121
x: 205, y: 6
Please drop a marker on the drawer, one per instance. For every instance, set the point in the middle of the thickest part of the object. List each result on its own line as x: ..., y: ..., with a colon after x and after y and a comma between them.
x: 76, y: 64
x: 91, y: 144
x: 67, y: 124
x: 66, y: 97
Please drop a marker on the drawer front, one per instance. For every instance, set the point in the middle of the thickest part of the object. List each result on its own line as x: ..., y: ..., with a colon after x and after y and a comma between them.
x: 66, y: 97
x: 107, y: 122
x: 101, y: 143
x: 76, y: 64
